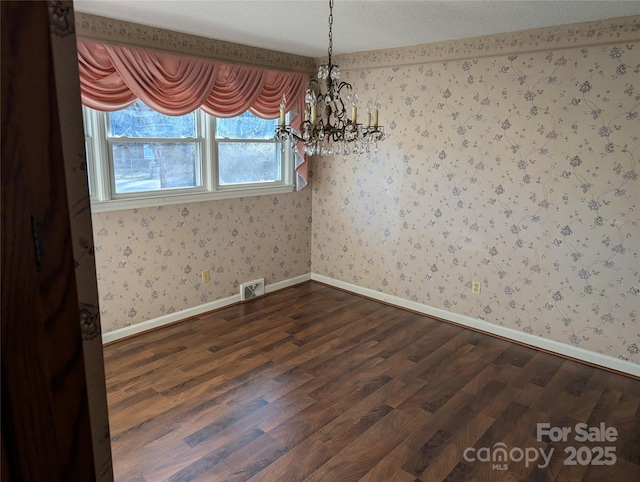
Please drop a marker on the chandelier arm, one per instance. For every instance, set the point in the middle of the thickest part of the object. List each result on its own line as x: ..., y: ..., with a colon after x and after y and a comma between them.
x: 344, y: 84
x: 341, y: 86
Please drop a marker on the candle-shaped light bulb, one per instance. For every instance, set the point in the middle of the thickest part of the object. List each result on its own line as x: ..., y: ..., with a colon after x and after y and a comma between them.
x: 283, y: 107
x: 354, y: 109
x: 369, y: 109
x: 375, y: 113
x: 313, y: 103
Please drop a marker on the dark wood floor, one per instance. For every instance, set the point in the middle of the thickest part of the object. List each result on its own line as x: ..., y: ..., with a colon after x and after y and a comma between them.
x: 311, y: 383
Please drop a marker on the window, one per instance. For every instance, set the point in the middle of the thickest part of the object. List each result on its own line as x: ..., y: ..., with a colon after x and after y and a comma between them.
x: 138, y: 157
x: 246, y: 151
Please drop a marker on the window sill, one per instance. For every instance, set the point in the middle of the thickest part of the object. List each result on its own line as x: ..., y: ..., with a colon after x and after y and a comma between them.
x: 185, y: 198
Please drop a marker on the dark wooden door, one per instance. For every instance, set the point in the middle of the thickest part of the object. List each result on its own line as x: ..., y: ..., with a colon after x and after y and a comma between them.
x: 46, y: 433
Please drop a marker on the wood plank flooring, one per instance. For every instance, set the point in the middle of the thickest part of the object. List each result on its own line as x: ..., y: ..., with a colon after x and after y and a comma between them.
x: 314, y: 384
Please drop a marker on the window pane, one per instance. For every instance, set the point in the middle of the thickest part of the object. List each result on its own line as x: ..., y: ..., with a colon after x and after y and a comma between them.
x: 240, y: 162
x: 139, y: 120
x: 245, y: 126
x: 152, y: 166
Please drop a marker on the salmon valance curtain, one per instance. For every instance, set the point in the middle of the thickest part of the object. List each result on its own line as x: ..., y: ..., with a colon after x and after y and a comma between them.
x: 112, y: 77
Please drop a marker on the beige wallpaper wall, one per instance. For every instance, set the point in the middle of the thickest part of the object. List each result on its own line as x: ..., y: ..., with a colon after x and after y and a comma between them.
x: 516, y: 170
x: 149, y: 261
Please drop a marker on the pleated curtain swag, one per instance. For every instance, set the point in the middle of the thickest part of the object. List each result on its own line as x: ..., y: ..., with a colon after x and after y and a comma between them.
x: 112, y: 77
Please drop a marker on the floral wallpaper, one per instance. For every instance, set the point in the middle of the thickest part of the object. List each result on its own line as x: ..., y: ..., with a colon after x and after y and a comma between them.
x: 150, y: 260
x: 519, y: 171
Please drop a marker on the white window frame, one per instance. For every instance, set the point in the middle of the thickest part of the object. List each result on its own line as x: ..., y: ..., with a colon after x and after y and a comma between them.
x: 103, y: 197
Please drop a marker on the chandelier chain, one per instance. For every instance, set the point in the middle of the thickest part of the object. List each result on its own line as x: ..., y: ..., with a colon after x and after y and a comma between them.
x: 330, y: 50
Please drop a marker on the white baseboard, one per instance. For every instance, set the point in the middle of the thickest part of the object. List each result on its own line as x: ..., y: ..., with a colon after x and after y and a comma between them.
x: 553, y: 346
x: 138, y: 328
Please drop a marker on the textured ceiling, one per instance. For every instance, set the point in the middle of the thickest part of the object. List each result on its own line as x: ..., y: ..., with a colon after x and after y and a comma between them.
x: 301, y: 26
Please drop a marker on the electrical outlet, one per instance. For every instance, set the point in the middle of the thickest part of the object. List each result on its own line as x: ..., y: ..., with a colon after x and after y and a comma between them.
x: 206, y: 276
x: 475, y: 287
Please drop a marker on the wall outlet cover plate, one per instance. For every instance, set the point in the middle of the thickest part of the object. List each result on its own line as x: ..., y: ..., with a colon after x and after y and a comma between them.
x: 475, y: 287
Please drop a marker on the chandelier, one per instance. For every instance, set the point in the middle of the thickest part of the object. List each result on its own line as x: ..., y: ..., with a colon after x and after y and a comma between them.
x: 327, y: 127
